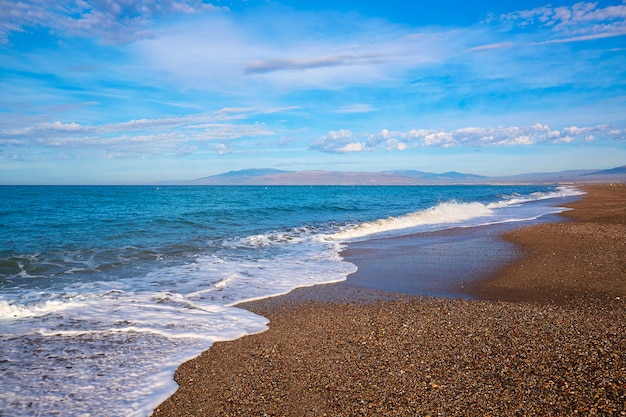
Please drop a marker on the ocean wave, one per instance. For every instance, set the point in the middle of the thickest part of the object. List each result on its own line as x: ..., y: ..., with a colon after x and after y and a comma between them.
x: 452, y: 213
x: 517, y: 199
x: 449, y: 212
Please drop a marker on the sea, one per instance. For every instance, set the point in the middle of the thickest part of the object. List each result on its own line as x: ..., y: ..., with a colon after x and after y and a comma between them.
x: 106, y: 290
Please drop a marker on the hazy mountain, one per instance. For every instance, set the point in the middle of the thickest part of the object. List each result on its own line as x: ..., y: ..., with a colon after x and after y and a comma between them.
x: 401, y: 177
x: 543, y: 177
x: 277, y: 177
x: 619, y: 171
x: 452, y: 175
x: 242, y: 177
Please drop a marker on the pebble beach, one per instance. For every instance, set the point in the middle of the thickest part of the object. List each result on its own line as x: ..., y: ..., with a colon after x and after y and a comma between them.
x: 542, y: 336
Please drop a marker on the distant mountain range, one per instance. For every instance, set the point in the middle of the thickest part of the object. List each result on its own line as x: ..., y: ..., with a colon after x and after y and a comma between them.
x: 401, y: 177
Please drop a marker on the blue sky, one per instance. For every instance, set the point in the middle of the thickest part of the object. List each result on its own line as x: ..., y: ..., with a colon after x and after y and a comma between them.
x: 119, y: 91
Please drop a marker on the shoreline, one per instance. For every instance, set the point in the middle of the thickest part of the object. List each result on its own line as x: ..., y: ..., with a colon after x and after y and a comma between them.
x: 340, y: 350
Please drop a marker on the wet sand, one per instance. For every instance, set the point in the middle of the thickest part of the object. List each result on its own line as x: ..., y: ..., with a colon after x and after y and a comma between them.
x: 548, y: 337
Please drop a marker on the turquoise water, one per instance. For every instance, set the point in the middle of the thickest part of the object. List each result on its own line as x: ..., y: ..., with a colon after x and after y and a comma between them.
x: 104, y: 291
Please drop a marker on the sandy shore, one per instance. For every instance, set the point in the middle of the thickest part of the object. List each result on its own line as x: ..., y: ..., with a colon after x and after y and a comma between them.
x: 585, y: 257
x: 548, y: 338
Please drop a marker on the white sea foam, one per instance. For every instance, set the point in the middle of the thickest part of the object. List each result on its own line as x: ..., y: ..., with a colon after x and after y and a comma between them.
x: 311, y: 261
x: 147, y: 335
x: 11, y: 311
x: 148, y: 325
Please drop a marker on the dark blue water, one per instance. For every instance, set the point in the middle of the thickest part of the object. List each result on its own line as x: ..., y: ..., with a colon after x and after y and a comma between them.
x: 104, y: 291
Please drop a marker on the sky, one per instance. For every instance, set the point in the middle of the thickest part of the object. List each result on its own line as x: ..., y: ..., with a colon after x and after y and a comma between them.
x: 136, y: 92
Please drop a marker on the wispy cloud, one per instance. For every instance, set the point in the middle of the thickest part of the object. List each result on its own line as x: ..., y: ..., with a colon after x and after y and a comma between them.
x: 221, y: 55
x: 547, y: 25
x: 583, y: 38
x: 138, y: 138
x: 581, y: 19
x: 191, y: 122
x: 492, y: 46
x: 272, y: 65
x: 218, y: 54
x: 344, y: 141
x: 356, y: 108
x: 113, y: 22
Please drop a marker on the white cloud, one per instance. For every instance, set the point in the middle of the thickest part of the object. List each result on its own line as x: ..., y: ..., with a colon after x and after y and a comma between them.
x: 340, y: 141
x: 346, y: 141
x: 353, y: 147
x: 223, y: 149
x: 340, y: 134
